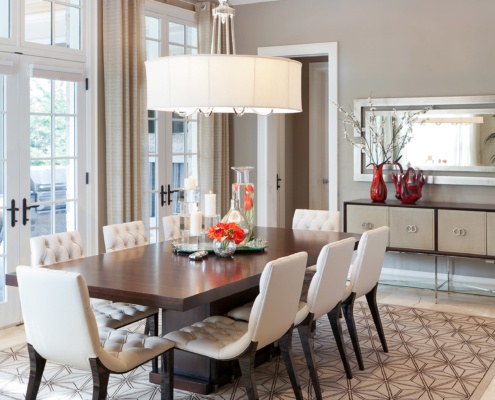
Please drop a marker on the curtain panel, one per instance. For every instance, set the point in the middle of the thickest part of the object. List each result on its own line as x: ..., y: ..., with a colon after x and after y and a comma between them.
x: 125, y: 111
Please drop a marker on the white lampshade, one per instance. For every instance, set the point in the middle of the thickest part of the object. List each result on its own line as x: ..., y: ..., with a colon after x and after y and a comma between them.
x: 224, y: 83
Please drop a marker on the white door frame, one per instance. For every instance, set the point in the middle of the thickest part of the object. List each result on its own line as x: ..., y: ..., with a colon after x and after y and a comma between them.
x: 267, y: 143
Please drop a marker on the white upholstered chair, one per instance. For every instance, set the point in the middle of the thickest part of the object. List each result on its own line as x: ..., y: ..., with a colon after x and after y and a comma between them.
x: 316, y: 220
x: 65, y: 246
x: 364, y: 276
x: 124, y: 236
x: 74, y: 339
x: 324, y: 296
x: 171, y: 227
x: 272, y: 318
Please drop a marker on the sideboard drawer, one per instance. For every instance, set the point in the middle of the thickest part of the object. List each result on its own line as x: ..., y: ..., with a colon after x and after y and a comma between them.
x: 462, y: 231
x: 412, y: 228
x: 490, y: 233
x: 363, y: 218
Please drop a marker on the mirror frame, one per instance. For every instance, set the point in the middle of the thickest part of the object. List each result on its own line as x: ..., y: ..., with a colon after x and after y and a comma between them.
x: 476, y: 177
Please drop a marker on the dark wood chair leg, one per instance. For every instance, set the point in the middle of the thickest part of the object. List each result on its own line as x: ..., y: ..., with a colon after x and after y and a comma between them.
x: 100, y: 379
x: 348, y: 310
x: 286, y: 350
x: 372, y: 304
x: 306, y: 335
x: 36, y: 368
x: 246, y: 362
x: 167, y: 383
x: 152, y: 324
x: 334, y: 319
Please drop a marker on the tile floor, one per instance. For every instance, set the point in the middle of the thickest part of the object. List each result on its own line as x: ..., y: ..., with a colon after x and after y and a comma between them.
x: 460, y: 303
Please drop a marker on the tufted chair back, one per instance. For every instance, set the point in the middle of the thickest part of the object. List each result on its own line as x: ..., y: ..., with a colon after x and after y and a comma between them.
x: 123, y: 236
x: 50, y: 249
x: 327, y: 285
x: 46, y: 295
x: 276, y: 305
x: 367, y: 266
x: 316, y: 220
x: 171, y: 227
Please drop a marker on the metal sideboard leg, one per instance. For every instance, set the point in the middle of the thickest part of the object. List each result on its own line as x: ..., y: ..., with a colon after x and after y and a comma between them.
x: 436, y: 279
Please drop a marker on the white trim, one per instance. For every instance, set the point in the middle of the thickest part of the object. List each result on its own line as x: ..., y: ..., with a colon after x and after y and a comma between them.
x: 314, y: 49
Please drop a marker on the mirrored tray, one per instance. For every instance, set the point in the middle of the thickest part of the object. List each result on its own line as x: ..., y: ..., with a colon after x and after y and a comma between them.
x: 186, y: 248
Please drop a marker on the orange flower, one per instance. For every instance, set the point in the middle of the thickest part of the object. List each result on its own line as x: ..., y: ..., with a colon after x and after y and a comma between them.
x: 226, y: 231
x: 249, y: 188
x: 248, y: 202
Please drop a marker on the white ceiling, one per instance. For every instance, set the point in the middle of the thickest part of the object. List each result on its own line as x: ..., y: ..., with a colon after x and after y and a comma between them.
x: 240, y: 2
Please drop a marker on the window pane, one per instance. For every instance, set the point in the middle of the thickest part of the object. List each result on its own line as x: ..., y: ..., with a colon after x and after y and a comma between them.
x: 41, y: 95
x: 65, y: 101
x: 41, y: 136
x: 175, y: 50
x: 41, y: 221
x: 152, y: 124
x: 4, y: 19
x: 192, y: 36
x: 152, y: 28
x: 38, y: 21
x: 176, y: 33
x: 64, y: 136
x: 152, y: 50
x: 67, y: 27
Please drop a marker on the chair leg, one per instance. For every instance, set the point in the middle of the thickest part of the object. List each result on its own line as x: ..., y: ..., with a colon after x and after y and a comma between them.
x: 334, y: 318
x: 36, y: 368
x: 100, y: 379
x: 152, y: 325
x: 246, y: 362
x: 167, y: 383
x: 371, y: 298
x: 348, y: 309
x: 306, y: 335
x: 286, y: 350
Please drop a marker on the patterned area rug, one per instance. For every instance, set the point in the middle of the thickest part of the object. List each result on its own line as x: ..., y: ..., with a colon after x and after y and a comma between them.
x: 432, y: 355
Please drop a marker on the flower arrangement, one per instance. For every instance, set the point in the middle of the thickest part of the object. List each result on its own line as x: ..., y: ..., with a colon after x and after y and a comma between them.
x: 374, y: 145
x: 226, y: 232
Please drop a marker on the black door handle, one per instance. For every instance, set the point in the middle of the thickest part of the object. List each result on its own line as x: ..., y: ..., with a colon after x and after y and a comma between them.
x: 278, y: 182
x: 25, y: 209
x: 12, y: 209
x: 168, y: 193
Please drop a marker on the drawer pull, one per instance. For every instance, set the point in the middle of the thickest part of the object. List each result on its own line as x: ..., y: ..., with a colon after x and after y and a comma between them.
x: 411, y: 228
x: 367, y: 225
x: 459, y: 232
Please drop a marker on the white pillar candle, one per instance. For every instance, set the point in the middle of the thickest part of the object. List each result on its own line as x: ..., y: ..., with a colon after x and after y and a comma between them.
x: 196, y: 223
x: 210, y: 204
x: 189, y: 183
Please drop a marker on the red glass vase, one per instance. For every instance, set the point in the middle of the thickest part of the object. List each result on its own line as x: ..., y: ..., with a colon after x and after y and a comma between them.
x: 408, y: 185
x: 378, y: 189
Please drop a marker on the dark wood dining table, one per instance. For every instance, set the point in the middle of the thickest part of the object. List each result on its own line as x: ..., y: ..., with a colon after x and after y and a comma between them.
x: 188, y: 291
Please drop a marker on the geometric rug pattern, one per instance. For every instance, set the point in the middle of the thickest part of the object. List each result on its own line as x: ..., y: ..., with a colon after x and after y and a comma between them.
x: 432, y: 355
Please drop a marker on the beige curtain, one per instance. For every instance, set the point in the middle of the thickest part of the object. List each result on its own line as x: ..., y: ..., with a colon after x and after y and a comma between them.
x: 214, y: 171
x: 125, y: 110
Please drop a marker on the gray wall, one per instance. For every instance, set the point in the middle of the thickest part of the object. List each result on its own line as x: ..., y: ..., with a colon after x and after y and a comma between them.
x: 399, y: 48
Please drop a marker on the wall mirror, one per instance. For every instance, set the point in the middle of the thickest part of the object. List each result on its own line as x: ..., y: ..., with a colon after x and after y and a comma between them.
x: 448, y: 142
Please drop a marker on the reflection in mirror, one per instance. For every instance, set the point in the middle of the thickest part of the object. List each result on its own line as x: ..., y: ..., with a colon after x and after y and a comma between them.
x: 451, y: 140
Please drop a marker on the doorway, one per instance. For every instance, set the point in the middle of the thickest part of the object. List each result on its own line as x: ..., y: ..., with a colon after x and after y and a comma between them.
x: 270, y: 147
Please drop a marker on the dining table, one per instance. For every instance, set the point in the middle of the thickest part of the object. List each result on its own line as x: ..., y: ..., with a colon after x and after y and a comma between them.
x: 189, y: 290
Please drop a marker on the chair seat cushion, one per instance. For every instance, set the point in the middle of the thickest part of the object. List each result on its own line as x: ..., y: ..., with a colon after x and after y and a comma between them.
x: 217, y: 337
x: 127, y: 350
x: 117, y: 315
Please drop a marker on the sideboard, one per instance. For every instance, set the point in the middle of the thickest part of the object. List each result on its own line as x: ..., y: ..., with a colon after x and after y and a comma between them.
x: 436, y: 228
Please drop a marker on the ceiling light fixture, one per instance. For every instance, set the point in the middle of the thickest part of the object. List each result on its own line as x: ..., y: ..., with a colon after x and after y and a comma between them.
x: 223, y: 82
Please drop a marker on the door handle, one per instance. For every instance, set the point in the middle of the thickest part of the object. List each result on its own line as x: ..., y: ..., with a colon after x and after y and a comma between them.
x: 278, y: 182
x: 25, y: 209
x: 12, y: 209
x: 169, y: 192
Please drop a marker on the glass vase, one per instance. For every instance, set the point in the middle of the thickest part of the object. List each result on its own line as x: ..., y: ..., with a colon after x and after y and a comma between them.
x: 408, y: 185
x: 224, y: 248
x: 245, y: 193
x: 236, y: 215
x: 378, y: 188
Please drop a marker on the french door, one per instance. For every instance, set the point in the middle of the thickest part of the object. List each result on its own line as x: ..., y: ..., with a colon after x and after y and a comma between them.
x: 42, y: 160
x: 173, y: 140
